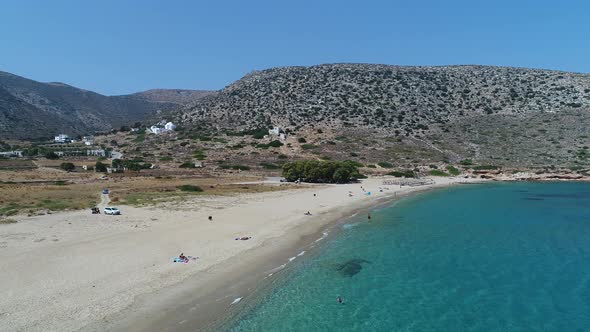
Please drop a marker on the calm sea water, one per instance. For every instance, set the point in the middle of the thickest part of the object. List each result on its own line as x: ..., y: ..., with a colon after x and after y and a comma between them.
x: 493, y: 257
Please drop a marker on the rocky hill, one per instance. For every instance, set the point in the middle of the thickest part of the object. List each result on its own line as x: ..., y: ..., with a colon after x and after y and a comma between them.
x: 177, y: 96
x: 35, y: 110
x: 499, y: 115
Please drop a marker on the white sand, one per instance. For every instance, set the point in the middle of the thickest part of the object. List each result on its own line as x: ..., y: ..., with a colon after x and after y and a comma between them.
x: 62, y: 272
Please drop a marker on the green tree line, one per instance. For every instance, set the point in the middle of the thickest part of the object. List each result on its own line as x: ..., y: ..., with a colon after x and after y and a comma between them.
x: 320, y: 171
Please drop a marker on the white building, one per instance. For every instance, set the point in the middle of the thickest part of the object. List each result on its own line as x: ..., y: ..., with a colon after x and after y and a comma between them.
x: 62, y: 138
x: 169, y: 126
x: 276, y: 131
x: 96, y: 153
x: 11, y: 154
x: 156, y: 130
x: 88, y: 140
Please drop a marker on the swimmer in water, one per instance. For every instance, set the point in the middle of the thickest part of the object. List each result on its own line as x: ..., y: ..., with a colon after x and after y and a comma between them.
x: 340, y: 300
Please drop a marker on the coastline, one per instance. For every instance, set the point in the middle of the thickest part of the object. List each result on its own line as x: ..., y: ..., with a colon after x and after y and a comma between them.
x: 153, y: 294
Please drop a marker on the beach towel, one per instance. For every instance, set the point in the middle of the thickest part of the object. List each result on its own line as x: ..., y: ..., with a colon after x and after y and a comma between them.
x: 187, y: 260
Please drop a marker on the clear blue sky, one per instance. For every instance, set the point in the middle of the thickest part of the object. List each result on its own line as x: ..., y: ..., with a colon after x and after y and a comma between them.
x: 118, y: 47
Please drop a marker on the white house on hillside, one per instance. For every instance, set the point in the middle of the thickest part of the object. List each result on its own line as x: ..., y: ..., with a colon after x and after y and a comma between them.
x: 169, y: 126
x: 62, y: 138
x: 156, y: 129
x: 88, y: 140
x: 276, y: 131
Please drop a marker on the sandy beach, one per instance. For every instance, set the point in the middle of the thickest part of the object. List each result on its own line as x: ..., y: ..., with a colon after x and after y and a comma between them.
x: 77, y: 271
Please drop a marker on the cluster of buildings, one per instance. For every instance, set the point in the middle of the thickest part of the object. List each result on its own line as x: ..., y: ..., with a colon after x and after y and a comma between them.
x: 162, y: 127
x: 63, y: 139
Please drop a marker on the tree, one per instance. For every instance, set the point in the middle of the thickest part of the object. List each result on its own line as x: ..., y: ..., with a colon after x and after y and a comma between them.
x: 68, y: 167
x: 100, y: 167
x: 321, y: 171
x: 51, y: 155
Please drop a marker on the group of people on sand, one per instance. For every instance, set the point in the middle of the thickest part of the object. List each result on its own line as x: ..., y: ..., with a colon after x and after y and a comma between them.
x: 182, y: 258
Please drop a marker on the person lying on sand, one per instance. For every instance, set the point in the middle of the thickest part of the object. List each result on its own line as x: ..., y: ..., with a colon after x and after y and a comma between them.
x: 183, y: 257
x: 244, y: 238
x: 307, y: 213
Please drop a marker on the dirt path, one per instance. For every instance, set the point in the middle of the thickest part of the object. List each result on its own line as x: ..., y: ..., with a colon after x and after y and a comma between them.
x: 104, y: 201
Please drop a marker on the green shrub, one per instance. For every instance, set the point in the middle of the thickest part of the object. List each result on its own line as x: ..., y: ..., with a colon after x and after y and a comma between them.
x: 282, y: 156
x: 166, y: 158
x: 385, y: 164
x: 309, y: 146
x: 301, y: 140
x: 259, y: 133
x: 68, y: 167
x: 200, y: 155
x: 453, y: 170
x: 190, y: 188
x: 275, y: 144
x: 236, y: 167
x: 371, y: 166
x: 51, y: 155
x: 140, y: 138
x: 100, y: 167
x: 466, y: 162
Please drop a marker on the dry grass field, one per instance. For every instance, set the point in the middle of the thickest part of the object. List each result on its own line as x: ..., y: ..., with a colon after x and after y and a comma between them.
x: 44, y: 190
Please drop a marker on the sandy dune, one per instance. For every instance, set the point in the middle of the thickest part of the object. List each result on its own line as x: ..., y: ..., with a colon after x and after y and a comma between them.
x: 62, y: 272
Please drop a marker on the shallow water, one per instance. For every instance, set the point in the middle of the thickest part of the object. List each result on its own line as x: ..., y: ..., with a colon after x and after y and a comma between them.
x: 493, y: 257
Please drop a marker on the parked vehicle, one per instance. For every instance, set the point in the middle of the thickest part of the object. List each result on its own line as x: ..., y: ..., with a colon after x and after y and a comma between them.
x: 112, y: 211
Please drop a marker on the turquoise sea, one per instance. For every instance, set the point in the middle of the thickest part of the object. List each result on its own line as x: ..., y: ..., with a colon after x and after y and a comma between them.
x: 490, y: 257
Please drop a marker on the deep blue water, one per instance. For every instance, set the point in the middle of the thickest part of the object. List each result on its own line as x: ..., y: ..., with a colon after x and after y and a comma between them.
x: 493, y: 257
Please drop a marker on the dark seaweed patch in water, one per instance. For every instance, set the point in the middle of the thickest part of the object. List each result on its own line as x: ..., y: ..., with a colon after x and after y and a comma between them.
x: 577, y: 195
x: 351, y: 267
x: 533, y: 199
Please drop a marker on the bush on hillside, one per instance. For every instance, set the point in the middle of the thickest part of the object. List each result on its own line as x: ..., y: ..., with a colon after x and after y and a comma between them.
x: 437, y: 172
x: 68, y: 167
x: 100, y: 167
x: 51, y: 155
x: 385, y: 164
x: 453, y: 170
